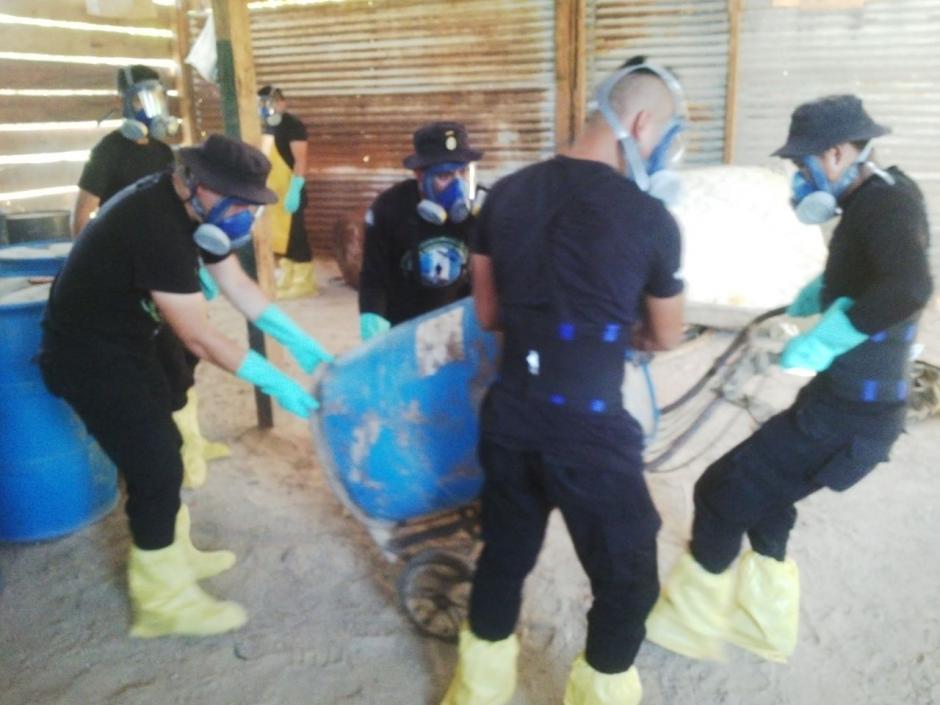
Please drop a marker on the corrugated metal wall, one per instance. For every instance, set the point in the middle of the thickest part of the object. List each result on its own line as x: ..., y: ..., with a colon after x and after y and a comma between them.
x: 64, y: 73
x: 364, y: 74
x: 689, y: 37
x: 887, y: 52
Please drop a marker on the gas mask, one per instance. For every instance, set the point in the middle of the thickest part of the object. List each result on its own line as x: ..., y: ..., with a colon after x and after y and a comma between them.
x: 219, y: 235
x: 268, y: 110
x: 654, y: 175
x: 453, y: 203
x: 145, y: 111
x: 816, y: 199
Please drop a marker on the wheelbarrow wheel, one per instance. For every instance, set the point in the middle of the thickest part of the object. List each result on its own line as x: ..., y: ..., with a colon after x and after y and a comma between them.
x: 434, y: 590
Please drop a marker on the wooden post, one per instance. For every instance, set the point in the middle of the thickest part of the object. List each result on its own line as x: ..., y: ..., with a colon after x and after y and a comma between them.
x: 184, y: 79
x: 570, y: 69
x: 236, y: 69
x: 731, y: 89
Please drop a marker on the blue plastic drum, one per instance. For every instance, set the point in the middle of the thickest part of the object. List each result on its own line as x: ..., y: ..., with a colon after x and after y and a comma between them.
x: 397, y: 426
x: 54, y: 479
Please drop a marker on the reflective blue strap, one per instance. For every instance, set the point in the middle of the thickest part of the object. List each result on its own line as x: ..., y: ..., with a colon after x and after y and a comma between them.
x: 879, y: 337
x: 902, y: 390
x: 869, y: 390
x: 611, y: 333
x: 566, y: 331
x: 598, y: 406
x: 557, y: 399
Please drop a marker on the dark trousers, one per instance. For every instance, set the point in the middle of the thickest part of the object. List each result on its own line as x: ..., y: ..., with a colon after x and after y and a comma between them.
x: 125, y: 405
x: 298, y: 247
x: 179, y: 366
x: 753, y: 488
x: 612, y: 523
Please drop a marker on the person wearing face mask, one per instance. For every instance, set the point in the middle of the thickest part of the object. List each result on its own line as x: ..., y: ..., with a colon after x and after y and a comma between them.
x: 843, y: 423
x: 287, y: 150
x: 416, y: 234
x: 575, y: 260
x: 133, y: 271
x: 131, y: 152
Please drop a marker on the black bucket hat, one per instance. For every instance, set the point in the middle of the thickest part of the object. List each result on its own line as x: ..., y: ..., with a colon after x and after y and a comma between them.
x: 439, y: 143
x: 230, y: 168
x: 826, y: 122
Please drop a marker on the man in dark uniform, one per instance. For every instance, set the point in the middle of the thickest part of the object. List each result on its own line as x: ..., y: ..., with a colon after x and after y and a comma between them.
x: 417, y: 232
x: 288, y: 179
x: 132, y: 271
x: 842, y: 424
x: 575, y: 264
x: 133, y: 150
x: 129, y: 153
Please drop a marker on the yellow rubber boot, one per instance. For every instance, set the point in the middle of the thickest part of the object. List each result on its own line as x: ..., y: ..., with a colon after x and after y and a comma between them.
x: 486, y: 671
x: 196, y: 450
x: 204, y: 564
x: 589, y: 687
x: 303, y: 282
x: 692, y: 613
x: 166, y: 599
x: 285, y: 279
x: 766, y: 615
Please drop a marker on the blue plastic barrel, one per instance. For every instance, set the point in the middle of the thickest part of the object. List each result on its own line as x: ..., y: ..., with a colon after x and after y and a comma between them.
x: 397, y: 426
x: 54, y: 479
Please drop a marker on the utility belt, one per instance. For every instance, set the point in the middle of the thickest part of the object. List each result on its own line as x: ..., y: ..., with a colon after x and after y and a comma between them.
x: 571, y: 365
x: 878, y: 370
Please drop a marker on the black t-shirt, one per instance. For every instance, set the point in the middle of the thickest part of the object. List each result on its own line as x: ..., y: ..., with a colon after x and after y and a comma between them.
x: 288, y: 130
x: 611, y: 245
x: 878, y: 253
x: 117, y: 161
x: 411, y: 266
x: 141, y: 241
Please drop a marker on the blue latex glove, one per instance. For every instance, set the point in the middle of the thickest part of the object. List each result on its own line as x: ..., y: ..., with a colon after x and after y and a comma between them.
x: 292, y: 199
x: 371, y: 325
x: 209, y: 288
x: 307, y: 351
x: 270, y: 380
x: 809, y: 301
x: 816, y: 349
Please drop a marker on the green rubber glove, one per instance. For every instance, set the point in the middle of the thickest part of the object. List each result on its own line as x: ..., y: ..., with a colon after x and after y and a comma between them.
x: 292, y: 199
x: 307, y: 351
x: 818, y: 347
x: 371, y: 325
x: 270, y: 380
x: 209, y: 288
x: 809, y: 301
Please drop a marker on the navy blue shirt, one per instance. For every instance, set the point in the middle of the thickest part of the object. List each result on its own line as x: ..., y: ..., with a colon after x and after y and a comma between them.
x: 573, y: 234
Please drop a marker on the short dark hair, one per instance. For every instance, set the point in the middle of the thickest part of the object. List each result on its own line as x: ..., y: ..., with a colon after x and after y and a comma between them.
x: 272, y: 91
x: 127, y: 76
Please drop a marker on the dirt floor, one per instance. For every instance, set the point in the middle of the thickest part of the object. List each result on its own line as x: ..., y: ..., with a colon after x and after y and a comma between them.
x: 325, y: 625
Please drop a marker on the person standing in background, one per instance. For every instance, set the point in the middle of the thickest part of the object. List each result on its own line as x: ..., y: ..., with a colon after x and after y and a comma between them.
x: 288, y: 180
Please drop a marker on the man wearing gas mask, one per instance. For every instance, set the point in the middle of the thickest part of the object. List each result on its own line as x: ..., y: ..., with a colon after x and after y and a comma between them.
x: 417, y: 232
x: 133, y: 271
x: 129, y: 153
x: 842, y: 424
x: 288, y: 155
x: 576, y: 260
x: 133, y: 150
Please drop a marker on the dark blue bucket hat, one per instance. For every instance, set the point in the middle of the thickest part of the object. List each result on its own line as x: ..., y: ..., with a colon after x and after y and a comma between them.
x: 826, y: 122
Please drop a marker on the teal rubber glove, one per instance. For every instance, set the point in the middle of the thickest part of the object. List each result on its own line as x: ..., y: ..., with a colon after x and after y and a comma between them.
x: 307, y: 351
x: 809, y: 301
x: 292, y: 199
x: 371, y: 325
x: 272, y: 381
x: 209, y: 288
x: 816, y: 349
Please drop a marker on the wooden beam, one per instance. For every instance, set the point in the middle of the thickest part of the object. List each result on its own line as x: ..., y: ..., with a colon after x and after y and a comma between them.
x: 236, y: 69
x: 570, y: 69
x: 731, y: 87
x: 184, y: 77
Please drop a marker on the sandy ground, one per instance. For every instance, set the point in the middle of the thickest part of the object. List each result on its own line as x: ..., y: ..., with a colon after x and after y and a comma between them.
x: 325, y: 626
